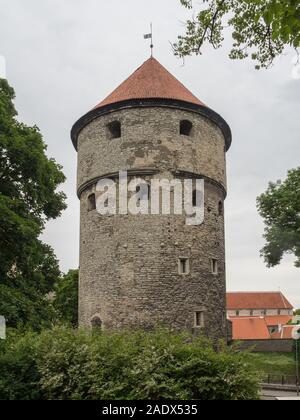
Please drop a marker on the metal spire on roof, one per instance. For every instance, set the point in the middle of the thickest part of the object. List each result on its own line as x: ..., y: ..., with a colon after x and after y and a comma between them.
x: 150, y: 36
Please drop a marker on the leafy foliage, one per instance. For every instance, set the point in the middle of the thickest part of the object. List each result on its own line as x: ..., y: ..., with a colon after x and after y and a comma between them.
x: 260, y: 28
x: 19, y: 376
x: 66, y: 298
x: 76, y: 365
x: 28, y: 198
x: 280, y: 208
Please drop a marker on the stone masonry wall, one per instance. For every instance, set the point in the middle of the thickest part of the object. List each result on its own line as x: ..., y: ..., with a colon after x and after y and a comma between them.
x: 129, y: 264
x: 151, y: 139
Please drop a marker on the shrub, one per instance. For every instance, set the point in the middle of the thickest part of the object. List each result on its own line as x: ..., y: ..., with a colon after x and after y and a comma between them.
x: 19, y: 376
x: 76, y: 365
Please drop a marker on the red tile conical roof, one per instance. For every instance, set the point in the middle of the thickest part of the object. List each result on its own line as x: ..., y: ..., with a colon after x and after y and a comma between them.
x: 150, y: 81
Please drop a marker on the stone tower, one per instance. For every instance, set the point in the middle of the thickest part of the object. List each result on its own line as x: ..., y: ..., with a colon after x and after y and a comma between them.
x: 146, y: 270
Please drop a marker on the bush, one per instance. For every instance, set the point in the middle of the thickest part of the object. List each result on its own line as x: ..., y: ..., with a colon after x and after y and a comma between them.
x: 75, y: 365
x: 19, y: 376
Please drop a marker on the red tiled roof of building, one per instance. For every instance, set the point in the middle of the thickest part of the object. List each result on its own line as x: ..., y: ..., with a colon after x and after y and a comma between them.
x: 257, y: 300
x: 249, y: 329
x: 273, y: 321
x: 284, y: 334
x: 150, y: 81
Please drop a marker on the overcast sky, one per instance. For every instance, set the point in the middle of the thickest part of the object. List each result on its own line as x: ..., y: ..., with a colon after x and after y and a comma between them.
x: 63, y: 57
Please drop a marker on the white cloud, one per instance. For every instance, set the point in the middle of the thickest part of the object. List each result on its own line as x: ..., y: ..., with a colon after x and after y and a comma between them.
x: 2, y: 67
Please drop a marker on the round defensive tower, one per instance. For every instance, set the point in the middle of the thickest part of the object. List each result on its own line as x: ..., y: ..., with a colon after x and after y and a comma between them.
x: 147, y: 270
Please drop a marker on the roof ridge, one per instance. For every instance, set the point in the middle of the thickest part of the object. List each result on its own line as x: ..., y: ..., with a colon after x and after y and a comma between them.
x: 253, y: 292
x: 283, y: 300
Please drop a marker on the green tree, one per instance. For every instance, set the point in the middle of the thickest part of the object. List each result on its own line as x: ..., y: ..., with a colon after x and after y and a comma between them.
x: 261, y: 29
x: 280, y: 209
x: 66, y: 298
x: 28, y: 198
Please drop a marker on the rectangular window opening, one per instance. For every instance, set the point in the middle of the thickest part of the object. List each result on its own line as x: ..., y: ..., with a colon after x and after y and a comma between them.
x: 91, y: 202
x: 214, y: 266
x: 199, y: 319
x: 184, y: 266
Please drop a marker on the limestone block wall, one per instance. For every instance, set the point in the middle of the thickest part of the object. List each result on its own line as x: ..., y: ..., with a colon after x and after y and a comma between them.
x: 151, y: 139
x: 129, y: 264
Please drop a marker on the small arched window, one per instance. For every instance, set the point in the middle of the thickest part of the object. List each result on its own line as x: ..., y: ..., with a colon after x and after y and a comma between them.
x: 96, y: 322
x: 114, y: 130
x: 221, y: 208
x: 91, y: 202
x: 186, y: 128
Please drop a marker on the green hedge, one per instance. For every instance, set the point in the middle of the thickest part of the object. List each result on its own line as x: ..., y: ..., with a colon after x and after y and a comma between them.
x: 75, y: 365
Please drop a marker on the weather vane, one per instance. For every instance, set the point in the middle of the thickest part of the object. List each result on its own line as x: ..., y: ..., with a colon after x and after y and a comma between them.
x: 150, y: 36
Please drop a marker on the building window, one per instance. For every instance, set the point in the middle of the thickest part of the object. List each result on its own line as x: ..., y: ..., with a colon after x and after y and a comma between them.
x: 91, y: 202
x: 251, y: 313
x: 279, y: 312
x: 96, y: 322
x: 221, y: 208
x: 145, y: 191
x: 237, y: 313
x: 199, y: 319
x: 114, y: 130
x: 186, y: 128
x: 195, y: 194
x: 184, y: 266
x: 214, y: 266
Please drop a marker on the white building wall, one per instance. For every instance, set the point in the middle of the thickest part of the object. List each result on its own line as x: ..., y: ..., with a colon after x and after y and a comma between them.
x: 258, y: 312
x: 286, y: 312
x: 245, y: 312
x: 272, y: 312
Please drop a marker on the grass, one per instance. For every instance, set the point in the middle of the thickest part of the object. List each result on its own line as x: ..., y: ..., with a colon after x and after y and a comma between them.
x: 273, y: 363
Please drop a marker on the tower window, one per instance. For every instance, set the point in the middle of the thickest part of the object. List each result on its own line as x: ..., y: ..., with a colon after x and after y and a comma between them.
x: 195, y: 193
x: 221, y: 208
x: 114, y: 130
x: 186, y: 128
x: 146, y: 191
x: 184, y: 266
x: 91, y: 202
x: 96, y: 322
x: 199, y: 319
x: 214, y: 266
x: 194, y: 198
